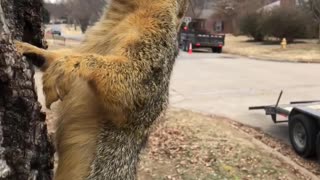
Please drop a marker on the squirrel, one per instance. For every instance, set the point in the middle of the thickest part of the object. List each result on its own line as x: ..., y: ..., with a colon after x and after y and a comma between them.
x: 111, y: 88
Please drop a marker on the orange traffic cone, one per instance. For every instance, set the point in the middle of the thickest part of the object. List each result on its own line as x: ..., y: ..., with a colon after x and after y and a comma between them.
x: 190, y: 48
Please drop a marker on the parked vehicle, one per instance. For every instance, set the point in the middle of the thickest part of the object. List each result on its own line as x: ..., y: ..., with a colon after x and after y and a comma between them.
x: 303, y: 118
x: 194, y: 34
x: 56, y: 30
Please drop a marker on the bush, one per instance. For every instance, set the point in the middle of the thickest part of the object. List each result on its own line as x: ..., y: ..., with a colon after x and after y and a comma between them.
x: 289, y: 23
x: 250, y: 25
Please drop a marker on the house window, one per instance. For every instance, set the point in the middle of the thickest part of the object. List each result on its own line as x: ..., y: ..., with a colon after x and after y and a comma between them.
x: 218, y: 26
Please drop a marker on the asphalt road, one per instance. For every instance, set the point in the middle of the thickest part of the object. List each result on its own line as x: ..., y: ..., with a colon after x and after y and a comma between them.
x: 227, y: 85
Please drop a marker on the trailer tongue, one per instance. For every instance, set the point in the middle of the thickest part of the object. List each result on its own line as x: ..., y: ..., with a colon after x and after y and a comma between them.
x: 303, y: 118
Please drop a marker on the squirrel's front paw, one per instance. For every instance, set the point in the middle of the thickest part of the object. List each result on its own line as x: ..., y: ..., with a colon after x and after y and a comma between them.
x: 22, y: 47
x: 19, y: 46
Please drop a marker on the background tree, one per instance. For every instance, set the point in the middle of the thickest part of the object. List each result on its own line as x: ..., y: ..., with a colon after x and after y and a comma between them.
x: 196, y: 8
x: 45, y: 16
x: 251, y: 25
x: 82, y: 12
x: 57, y: 10
x: 85, y: 12
x: 25, y: 149
x: 312, y: 7
x: 315, y: 7
x: 286, y: 22
x: 234, y: 10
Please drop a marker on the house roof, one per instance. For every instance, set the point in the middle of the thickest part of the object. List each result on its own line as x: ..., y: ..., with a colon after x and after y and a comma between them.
x: 273, y: 5
x: 270, y: 6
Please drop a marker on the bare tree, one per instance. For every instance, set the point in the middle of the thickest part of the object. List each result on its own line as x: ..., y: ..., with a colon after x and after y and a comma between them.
x: 237, y: 7
x: 57, y: 10
x: 25, y: 149
x: 196, y: 8
x: 85, y: 11
x: 234, y: 9
x: 312, y: 7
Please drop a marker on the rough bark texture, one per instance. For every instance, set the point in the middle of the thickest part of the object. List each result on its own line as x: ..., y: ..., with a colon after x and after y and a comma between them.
x: 25, y: 150
x: 319, y: 34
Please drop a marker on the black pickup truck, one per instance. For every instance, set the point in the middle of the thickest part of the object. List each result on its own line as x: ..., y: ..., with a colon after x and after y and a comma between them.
x: 194, y: 34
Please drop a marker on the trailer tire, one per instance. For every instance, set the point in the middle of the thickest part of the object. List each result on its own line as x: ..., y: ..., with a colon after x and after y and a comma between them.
x: 214, y: 50
x: 303, y: 134
x: 185, y: 46
x: 217, y: 49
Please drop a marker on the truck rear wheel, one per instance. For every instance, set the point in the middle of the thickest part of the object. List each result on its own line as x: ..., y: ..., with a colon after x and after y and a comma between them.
x: 303, y: 133
x: 217, y: 49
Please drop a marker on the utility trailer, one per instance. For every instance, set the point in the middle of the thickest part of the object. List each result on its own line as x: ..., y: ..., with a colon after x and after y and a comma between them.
x: 194, y: 34
x: 303, y: 118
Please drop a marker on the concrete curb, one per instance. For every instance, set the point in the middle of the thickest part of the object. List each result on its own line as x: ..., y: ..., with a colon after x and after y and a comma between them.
x: 285, y: 159
x: 264, y: 146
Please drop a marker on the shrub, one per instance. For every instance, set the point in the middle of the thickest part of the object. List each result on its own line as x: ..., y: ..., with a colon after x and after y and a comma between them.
x: 251, y: 25
x: 289, y: 23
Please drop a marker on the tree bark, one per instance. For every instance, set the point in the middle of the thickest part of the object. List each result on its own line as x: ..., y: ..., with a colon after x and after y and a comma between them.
x: 319, y: 33
x: 25, y: 150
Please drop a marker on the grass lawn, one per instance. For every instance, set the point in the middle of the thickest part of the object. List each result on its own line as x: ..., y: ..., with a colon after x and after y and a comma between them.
x: 301, y: 51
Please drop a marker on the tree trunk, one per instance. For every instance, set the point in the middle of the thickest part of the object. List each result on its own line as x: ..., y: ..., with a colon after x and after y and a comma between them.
x: 84, y: 23
x: 25, y: 150
x: 319, y: 34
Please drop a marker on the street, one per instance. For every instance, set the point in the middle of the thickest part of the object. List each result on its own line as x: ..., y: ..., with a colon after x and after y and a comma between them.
x: 227, y: 85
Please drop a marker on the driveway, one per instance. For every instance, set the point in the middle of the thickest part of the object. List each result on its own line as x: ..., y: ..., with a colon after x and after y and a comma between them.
x: 227, y: 85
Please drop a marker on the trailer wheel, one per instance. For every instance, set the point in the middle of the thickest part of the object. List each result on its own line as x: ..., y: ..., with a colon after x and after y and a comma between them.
x: 303, y: 134
x: 318, y: 147
x: 185, y: 46
x: 217, y: 49
x: 214, y: 50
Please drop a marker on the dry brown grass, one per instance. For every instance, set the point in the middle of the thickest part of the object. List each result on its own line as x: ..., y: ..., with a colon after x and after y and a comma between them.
x: 303, y: 51
x: 70, y: 30
x: 191, y: 146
